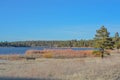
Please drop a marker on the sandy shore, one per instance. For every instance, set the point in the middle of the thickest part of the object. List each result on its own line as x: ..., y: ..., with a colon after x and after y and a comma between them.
x: 62, y: 69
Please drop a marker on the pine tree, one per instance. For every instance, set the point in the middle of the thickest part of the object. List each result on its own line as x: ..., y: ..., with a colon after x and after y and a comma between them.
x: 117, y: 41
x: 102, y: 40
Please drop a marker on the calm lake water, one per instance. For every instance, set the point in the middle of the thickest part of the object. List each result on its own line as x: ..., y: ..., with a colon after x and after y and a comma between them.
x: 22, y: 50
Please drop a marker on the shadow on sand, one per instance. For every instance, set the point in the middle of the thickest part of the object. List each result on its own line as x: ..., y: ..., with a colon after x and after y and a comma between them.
x: 9, y: 78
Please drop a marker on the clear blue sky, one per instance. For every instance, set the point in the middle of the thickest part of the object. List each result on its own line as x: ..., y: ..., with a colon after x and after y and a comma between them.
x: 57, y: 19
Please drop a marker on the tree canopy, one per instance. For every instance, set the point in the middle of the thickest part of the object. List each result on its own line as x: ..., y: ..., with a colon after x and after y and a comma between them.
x: 102, y: 39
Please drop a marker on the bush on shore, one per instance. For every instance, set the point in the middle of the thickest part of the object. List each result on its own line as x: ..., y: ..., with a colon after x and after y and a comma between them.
x: 96, y: 53
x: 48, y: 55
x: 53, y: 53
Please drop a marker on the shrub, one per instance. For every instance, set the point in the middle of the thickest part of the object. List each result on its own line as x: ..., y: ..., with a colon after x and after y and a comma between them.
x: 48, y: 55
x: 96, y: 53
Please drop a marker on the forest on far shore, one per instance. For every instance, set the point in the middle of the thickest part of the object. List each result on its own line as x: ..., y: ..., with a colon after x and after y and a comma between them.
x: 67, y: 43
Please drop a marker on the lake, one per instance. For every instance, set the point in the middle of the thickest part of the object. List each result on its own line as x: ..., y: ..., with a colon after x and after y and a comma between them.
x: 22, y: 50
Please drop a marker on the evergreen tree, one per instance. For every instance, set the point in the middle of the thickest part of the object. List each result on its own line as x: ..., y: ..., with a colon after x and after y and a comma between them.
x: 117, y: 41
x: 102, y: 40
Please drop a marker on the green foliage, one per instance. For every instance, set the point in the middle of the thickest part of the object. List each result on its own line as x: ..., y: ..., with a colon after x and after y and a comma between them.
x: 116, y: 40
x: 68, y: 43
x: 96, y: 53
x: 102, y: 39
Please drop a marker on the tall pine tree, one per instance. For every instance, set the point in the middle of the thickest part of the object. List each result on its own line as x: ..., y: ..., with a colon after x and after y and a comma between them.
x: 102, y: 40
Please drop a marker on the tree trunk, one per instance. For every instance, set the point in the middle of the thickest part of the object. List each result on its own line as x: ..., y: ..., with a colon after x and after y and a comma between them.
x: 102, y: 52
x: 102, y: 55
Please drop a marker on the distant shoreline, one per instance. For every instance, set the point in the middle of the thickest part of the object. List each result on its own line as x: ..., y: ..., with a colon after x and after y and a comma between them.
x: 47, y: 47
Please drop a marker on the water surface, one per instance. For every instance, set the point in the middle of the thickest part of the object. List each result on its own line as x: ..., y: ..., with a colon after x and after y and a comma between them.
x: 22, y: 50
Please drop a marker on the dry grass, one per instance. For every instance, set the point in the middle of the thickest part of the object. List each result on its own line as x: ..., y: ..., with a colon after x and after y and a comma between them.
x: 12, y: 57
x: 67, y: 53
x: 48, y: 55
x: 64, y: 69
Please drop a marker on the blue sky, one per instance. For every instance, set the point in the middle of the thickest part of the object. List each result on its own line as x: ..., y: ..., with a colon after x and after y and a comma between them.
x: 57, y: 19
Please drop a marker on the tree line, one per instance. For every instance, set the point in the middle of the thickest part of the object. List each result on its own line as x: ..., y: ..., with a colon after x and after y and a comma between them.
x: 66, y: 43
